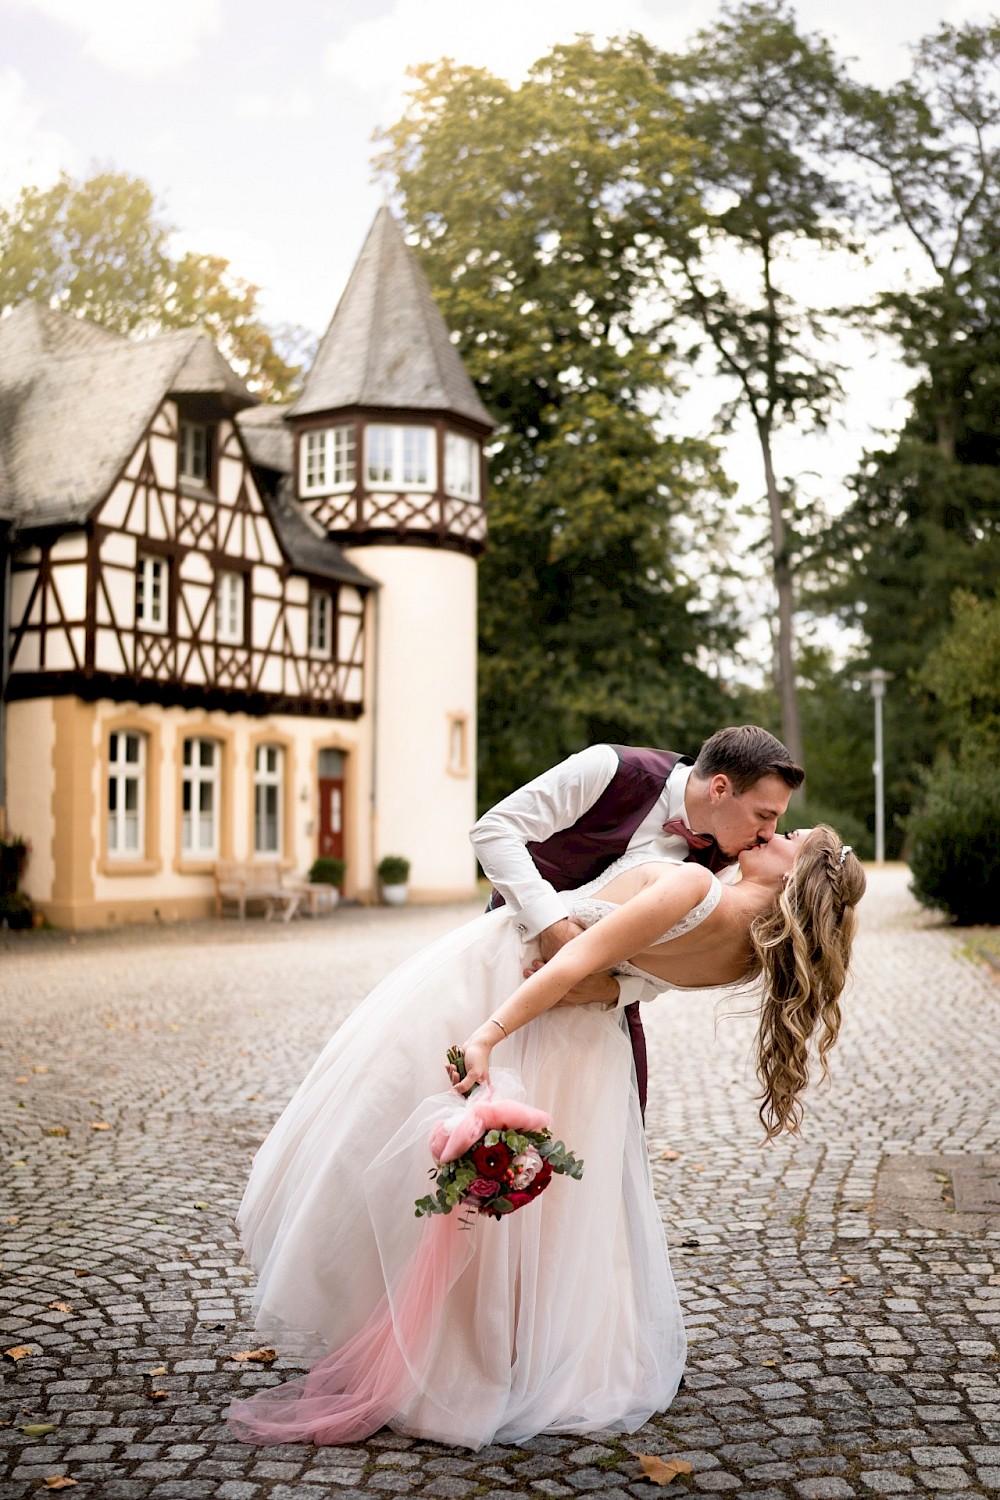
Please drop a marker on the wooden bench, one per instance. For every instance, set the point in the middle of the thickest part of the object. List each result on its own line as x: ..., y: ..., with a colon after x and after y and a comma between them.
x: 242, y: 883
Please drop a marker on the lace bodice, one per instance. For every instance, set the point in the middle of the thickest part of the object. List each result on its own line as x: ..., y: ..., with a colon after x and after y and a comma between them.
x: 587, y: 909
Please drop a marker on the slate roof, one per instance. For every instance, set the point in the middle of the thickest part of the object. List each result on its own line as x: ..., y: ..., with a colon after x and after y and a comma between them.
x: 75, y: 399
x: 387, y: 344
x: 268, y: 437
x: 305, y: 543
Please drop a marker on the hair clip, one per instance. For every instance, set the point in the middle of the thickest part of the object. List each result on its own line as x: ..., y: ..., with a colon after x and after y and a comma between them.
x: 845, y: 850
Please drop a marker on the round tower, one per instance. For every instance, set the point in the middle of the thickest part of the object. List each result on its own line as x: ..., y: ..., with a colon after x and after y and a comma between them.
x: 389, y: 435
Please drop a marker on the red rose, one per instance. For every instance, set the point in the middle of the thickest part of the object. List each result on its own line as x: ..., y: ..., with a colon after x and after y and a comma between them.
x: 518, y: 1198
x: 492, y: 1161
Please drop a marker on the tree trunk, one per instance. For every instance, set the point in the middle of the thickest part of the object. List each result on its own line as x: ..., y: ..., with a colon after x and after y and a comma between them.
x: 784, y: 666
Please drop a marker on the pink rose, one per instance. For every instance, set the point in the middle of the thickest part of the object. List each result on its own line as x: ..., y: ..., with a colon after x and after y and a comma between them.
x: 483, y: 1187
x: 526, y: 1168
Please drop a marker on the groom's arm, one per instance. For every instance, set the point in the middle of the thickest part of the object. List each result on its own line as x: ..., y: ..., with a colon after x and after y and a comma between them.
x: 555, y: 800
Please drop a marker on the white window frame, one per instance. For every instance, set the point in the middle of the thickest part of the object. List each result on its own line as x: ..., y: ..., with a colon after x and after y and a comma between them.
x: 196, y: 843
x: 230, y: 608
x: 268, y: 793
x: 152, y: 592
x: 389, y: 457
x: 461, y: 466
x: 126, y: 776
x: 322, y: 621
x: 194, y: 452
x: 328, y: 459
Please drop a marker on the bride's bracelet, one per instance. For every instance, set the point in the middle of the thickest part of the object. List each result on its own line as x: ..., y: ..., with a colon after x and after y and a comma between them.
x: 503, y: 1028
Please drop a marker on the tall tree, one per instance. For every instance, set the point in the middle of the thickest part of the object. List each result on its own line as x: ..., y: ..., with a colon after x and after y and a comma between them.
x: 924, y: 519
x: 531, y: 209
x: 763, y: 100
x: 100, y: 249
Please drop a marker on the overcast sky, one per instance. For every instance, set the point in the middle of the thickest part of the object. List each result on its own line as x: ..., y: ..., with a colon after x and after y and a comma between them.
x: 253, y: 122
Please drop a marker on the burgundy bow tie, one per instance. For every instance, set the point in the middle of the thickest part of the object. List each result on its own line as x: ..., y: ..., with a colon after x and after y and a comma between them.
x: 692, y: 839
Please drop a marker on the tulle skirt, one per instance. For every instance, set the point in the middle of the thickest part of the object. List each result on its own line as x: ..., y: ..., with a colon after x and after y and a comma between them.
x: 561, y: 1317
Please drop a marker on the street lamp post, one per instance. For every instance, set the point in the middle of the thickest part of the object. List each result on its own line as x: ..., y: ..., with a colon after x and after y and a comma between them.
x: 878, y: 680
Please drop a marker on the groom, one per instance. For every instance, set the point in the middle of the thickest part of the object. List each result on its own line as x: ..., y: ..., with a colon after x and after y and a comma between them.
x: 565, y: 827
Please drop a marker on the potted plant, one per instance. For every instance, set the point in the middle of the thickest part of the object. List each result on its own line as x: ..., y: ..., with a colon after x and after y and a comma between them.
x: 328, y: 870
x: 393, y: 875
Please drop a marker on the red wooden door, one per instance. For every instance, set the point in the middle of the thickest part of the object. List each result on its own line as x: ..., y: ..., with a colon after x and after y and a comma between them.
x: 331, y: 816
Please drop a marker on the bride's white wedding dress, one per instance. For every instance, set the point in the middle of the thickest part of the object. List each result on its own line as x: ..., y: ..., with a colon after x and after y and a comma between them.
x: 560, y: 1317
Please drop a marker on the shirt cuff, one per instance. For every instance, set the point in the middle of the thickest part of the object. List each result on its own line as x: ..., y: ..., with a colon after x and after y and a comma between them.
x: 630, y: 988
x: 540, y: 913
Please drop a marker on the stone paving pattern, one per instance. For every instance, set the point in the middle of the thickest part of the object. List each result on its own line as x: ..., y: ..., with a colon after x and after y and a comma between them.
x: 838, y: 1347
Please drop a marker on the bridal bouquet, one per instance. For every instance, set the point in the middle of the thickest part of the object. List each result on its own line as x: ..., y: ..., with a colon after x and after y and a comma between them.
x: 498, y: 1156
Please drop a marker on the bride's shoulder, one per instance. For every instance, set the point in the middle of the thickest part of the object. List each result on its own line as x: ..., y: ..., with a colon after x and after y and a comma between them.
x: 686, y: 880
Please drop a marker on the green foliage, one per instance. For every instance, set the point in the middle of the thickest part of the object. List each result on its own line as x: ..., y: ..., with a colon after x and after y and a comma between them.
x: 393, y: 869
x: 454, y: 1178
x: 540, y: 214
x: 954, y: 842
x: 100, y: 249
x: 963, y: 673
x: 327, y: 870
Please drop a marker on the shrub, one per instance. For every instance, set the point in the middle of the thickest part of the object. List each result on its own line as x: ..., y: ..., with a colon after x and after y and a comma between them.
x: 954, y: 843
x: 393, y: 869
x: 327, y: 870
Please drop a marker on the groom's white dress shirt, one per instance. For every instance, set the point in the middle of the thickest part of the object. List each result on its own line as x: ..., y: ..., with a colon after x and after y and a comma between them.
x: 553, y: 801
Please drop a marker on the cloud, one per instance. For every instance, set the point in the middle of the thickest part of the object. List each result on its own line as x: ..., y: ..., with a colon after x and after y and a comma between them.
x: 142, y: 37
x: 31, y: 153
x: 293, y: 104
x: 375, y: 53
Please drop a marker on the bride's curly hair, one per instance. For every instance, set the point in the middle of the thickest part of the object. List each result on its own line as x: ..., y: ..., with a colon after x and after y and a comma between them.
x: 801, y: 950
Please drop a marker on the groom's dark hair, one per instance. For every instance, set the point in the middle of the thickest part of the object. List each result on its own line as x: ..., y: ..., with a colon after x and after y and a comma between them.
x: 745, y: 753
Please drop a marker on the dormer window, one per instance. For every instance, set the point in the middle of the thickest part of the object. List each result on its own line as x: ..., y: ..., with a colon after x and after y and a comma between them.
x: 461, y: 466
x: 194, y: 452
x: 400, y: 457
x: 327, y: 460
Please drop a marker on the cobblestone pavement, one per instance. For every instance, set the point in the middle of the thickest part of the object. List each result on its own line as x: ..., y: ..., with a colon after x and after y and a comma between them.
x: 842, y: 1291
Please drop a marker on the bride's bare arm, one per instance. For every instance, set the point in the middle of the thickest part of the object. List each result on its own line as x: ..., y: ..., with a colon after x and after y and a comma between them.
x: 636, y: 924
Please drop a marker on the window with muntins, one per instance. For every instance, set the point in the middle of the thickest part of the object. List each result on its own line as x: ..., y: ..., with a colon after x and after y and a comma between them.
x: 461, y: 466
x: 194, y: 452
x: 328, y: 459
x: 151, y: 583
x: 126, y: 795
x: 400, y: 457
x: 320, y: 624
x: 268, y: 776
x: 229, y: 608
x: 200, y: 798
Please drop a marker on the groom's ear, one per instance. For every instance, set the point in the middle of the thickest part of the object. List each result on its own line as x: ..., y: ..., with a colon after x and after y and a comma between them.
x: 719, y: 788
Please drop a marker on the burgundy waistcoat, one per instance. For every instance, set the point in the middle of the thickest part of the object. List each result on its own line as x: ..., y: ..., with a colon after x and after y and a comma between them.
x: 579, y: 853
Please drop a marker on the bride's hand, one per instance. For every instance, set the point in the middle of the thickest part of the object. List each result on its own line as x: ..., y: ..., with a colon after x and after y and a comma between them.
x: 477, y: 1065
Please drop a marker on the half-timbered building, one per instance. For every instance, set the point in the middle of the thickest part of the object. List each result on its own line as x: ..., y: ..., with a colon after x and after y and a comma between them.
x: 235, y: 631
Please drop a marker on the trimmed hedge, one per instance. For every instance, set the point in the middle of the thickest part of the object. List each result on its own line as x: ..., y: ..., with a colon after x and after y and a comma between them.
x: 953, y: 841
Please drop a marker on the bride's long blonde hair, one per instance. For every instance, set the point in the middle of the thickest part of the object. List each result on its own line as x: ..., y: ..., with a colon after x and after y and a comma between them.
x: 801, y: 951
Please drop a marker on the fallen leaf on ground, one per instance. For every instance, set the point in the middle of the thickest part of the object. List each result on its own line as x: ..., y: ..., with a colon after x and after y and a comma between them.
x: 670, y: 1156
x: 56, y: 1130
x: 99, y: 1125
x: 769, y: 1362
x: 262, y: 1356
x: 160, y: 1370
x: 156, y: 1395
x: 81, y: 1273
x: 202, y: 1204
x: 23, y: 1079
x: 42, y: 1068
x: 662, y: 1470
x: 19, y: 1351
x: 57, y: 1482
x: 38, y: 1429
x: 13, y: 1219
x: 697, y: 1166
x: 60, y: 1307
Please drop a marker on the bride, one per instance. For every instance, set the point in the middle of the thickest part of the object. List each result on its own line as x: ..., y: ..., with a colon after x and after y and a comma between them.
x: 562, y: 1317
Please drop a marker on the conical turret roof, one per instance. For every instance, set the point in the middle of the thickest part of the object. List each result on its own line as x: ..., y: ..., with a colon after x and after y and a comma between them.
x: 387, y: 344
